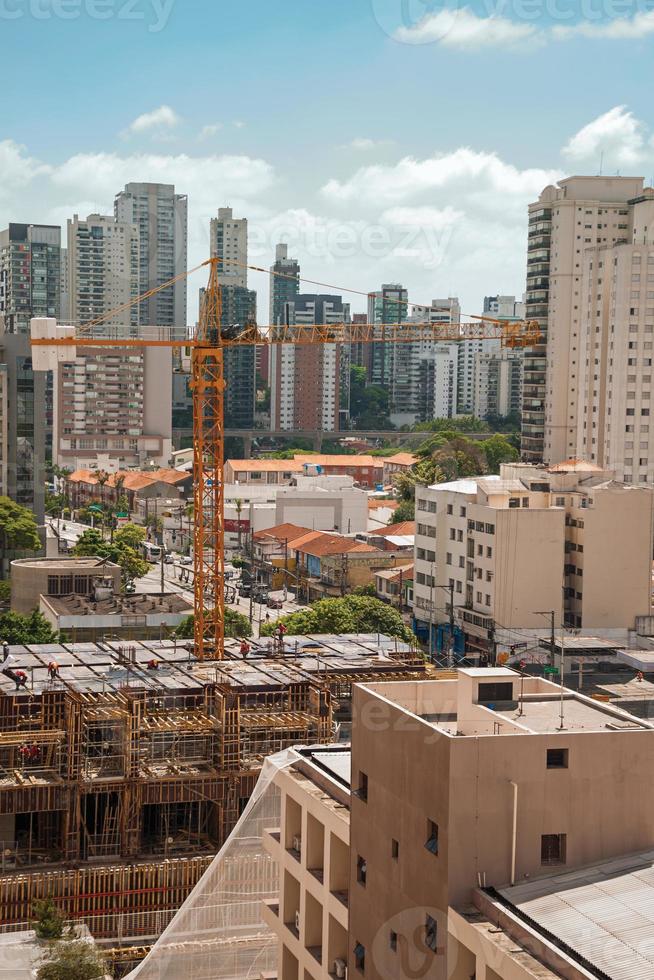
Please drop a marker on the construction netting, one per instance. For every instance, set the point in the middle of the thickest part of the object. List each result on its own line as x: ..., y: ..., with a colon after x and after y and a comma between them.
x: 219, y: 933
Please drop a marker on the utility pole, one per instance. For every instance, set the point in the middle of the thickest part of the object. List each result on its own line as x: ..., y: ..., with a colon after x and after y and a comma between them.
x: 492, y: 645
x: 163, y: 586
x: 551, y: 614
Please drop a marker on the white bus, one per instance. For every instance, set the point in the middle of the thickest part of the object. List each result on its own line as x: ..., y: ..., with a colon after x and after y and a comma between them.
x: 151, y: 552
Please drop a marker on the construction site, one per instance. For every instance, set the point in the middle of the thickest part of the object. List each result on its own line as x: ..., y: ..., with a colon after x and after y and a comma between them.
x: 122, y: 773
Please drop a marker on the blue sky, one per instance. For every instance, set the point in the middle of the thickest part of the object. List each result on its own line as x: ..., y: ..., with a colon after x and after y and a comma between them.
x: 388, y: 140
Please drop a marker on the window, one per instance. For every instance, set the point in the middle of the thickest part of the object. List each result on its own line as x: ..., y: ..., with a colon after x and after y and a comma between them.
x: 494, y: 691
x: 392, y: 941
x: 360, y: 957
x: 450, y: 509
x: 553, y: 848
x: 557, y: 758
x: 514, y: 501
x: 395, y: 849
x: 432, y: 837
x: 362, y: 790
x: 431, y: 933
x: 362, y: 870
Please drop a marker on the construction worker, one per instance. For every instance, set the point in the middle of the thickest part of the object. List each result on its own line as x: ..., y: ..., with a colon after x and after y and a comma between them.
x: 20, y: 678
x: 34, y: 752
x: 153, y: 664
x: 24, y: 753
x: 5, y: 650
x: 53, y: 670
x: 245, y: 647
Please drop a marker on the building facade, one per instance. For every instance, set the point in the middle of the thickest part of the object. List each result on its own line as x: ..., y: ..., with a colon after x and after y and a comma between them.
x: 102, y: 263
x: 161, y: 217
x: 482, y: 536
x: 30, y: 285
x: 577, y: 214
x: 498, y: 384
x: 309, y: 384
x: 284, y: 283
x: 113, y: 409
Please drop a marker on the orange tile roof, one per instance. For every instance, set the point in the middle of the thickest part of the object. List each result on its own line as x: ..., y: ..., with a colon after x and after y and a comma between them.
x: 374, y: 503
x: 333, y: 544
x: 403, y: 527
x: 132, y: 479
x: 282, y: 532
x: 303, y: 539
x: 404, y: 459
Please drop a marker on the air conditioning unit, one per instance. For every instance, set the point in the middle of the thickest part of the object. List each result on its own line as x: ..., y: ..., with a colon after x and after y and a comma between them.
x: 297, y: 843
x: 297, y: 920
x: 340, y: 969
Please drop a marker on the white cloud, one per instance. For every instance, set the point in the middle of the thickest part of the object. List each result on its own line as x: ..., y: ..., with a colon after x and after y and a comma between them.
x: 16, y: 168
x: 617, y: 134
x: 211, y: 129
x: 469, y: 170
x: 463, y: 28
x: 160, y: 120
x: 619, y: 29
x: 239, y: 124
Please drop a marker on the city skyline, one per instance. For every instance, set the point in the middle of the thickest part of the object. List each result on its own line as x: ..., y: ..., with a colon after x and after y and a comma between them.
x: 437, y: 200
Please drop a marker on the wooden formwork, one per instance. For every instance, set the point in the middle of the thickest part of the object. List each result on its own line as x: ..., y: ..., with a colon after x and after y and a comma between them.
x: 140, y: 775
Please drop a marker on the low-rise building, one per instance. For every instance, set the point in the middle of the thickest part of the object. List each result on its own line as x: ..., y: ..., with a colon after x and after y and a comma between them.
x: 134, y: 617
x: 473, y: 832
x: 53, y: 577
x: 399, y: 463
x: 261, y: 471
x: 504, y: 545
x: 395, y: 585
x: 84, y: 487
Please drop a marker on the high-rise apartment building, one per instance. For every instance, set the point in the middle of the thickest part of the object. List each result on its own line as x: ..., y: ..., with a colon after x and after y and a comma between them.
x: 102, y: 261
x: 161, y: 218
x: 391, y: 365
x: 615, y: 414
x: 30, y: 285
x: 229, y: 243
x: 284, y: 283
x: 498, y: 384
x: 112, y: 410
x: 577, y: 214
x: 307, y: 381
x: 504, y: 307
x: 506, y: 544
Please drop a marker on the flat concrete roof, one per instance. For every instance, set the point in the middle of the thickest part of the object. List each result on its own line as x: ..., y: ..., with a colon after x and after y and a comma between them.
x: 604, y: 913
x: 126, y: 605
x: 492, y: 673
x: 544, y: 715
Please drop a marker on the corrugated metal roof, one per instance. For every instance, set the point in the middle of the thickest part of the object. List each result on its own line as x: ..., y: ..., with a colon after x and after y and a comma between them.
x: 605, y: 913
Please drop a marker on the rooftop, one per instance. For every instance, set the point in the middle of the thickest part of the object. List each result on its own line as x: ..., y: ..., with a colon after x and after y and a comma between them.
x: 116, y: 666
x: 131, y: 479
x: 65, y: 564
x: 402, y: 459
x: 605, y: 913
x: 117, y: 605
x: 281, y: 532
x: 346, y: 460
x: 401, y: 528
x: 265, y: 465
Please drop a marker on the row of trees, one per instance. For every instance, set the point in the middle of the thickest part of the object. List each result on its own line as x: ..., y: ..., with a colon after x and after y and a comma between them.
x: 448, y: 456
x: 351, y: 614
x: 123, y: 549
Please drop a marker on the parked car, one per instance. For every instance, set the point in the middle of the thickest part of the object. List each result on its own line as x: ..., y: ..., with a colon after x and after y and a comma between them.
x: 186, y: 560
x: 274, y: 603
x: 245, y: 590
x: 169, y: 558
x: 261, y: 597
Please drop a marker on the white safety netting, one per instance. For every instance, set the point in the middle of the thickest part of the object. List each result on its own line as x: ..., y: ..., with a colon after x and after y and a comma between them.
x: 219, y: 933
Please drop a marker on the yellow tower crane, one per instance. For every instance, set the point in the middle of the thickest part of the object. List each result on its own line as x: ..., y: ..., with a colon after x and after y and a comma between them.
x: 53, y: 344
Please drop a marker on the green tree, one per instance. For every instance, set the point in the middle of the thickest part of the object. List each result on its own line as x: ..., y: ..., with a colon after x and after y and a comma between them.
x: 30, y: 628
x: 18, y: 531
x: 498, y: 450
x: 369, y: 404
x: 122, y: 550
x: 73, y: 959
x: 49, y: 920
x: 236, y: 624
x: 463, y: 423
x: 351, y: 614
x: 406, y: 511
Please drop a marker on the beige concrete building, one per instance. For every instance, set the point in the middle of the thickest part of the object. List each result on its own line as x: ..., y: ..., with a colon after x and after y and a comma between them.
x: 102, y: 265
x: 498, y: 383
x: 113, y: 410
x: 614, y: 427
x: 33, y: 577
x: 449, y: 846
x: 508, y: 544
x: 577, y: 214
